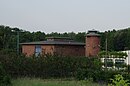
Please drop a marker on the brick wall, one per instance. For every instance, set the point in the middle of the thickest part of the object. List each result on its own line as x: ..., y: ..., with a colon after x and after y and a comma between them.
x: 65, y: 50
x: 48, y: 49
x: 68, y: 50
x: 92, y: 46
x: 28, y: 50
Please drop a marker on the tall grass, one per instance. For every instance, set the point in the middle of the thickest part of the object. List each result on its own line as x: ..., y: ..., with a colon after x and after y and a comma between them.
x: 50, y: 82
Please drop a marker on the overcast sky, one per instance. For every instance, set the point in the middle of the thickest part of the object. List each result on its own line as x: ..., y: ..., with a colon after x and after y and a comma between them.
x: 65, y: 15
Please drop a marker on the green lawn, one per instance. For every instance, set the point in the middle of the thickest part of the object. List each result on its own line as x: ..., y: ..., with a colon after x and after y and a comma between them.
x: 49, y: 82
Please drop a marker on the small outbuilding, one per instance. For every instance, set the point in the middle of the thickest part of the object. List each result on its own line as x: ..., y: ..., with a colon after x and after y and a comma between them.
x: 54, y: 46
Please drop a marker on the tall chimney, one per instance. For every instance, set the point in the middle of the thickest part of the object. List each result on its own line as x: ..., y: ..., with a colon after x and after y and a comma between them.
x: 92, y: 43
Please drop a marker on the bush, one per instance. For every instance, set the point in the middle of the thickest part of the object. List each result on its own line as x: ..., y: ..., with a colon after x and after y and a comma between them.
x: 48, y: 66
x: 4, y: 78
x: 55, y: 67
x: 91, y: 69
x: 119, y: 81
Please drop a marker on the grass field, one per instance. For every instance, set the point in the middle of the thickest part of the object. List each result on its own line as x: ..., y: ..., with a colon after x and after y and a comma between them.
x: 50, y: 82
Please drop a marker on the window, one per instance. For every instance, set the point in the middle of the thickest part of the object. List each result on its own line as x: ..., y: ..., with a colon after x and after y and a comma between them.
x: 109, y: 62
x: 119, y: 63
x: 38, y: 50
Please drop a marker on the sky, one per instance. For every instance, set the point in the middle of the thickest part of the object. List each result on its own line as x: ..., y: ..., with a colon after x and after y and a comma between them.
x: 65, y: 15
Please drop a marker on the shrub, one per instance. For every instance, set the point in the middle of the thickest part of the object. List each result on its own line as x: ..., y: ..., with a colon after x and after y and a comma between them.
x: 119, y: 81
x: 55, y: 67
x: 4, y: 78
x: 49, y: 66
x: 90, y: 69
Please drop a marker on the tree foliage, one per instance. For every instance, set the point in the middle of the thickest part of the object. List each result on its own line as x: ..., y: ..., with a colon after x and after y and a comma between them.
x: 119, y: 81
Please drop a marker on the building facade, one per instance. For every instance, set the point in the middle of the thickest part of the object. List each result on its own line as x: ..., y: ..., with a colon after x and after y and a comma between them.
x: 54, y: 46
x: 64, y: 46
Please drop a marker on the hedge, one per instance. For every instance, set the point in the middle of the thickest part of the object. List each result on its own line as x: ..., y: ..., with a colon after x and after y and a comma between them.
x: 4, y: 78
x: 55, y: 67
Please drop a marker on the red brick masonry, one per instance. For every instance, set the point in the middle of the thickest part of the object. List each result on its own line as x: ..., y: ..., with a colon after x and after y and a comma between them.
x: 65, y: 50
x: 92, y: 46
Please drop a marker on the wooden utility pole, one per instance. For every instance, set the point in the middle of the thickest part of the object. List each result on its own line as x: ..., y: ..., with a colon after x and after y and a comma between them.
x: 17, y: 42
x: 106, y: 59
x: 106, y: 54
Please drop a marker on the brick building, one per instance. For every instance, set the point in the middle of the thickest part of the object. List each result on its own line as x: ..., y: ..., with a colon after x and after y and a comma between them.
x: 64, y: 46
x: 54, y: 45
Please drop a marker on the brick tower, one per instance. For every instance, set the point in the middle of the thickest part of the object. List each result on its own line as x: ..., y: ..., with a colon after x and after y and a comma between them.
x: 92, y: 43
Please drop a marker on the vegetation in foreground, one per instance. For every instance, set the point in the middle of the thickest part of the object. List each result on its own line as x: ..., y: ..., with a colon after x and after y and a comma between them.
x: 51, y: 82
x: 4, y: 78
x: 46, y: 67
x: 119, y: 81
